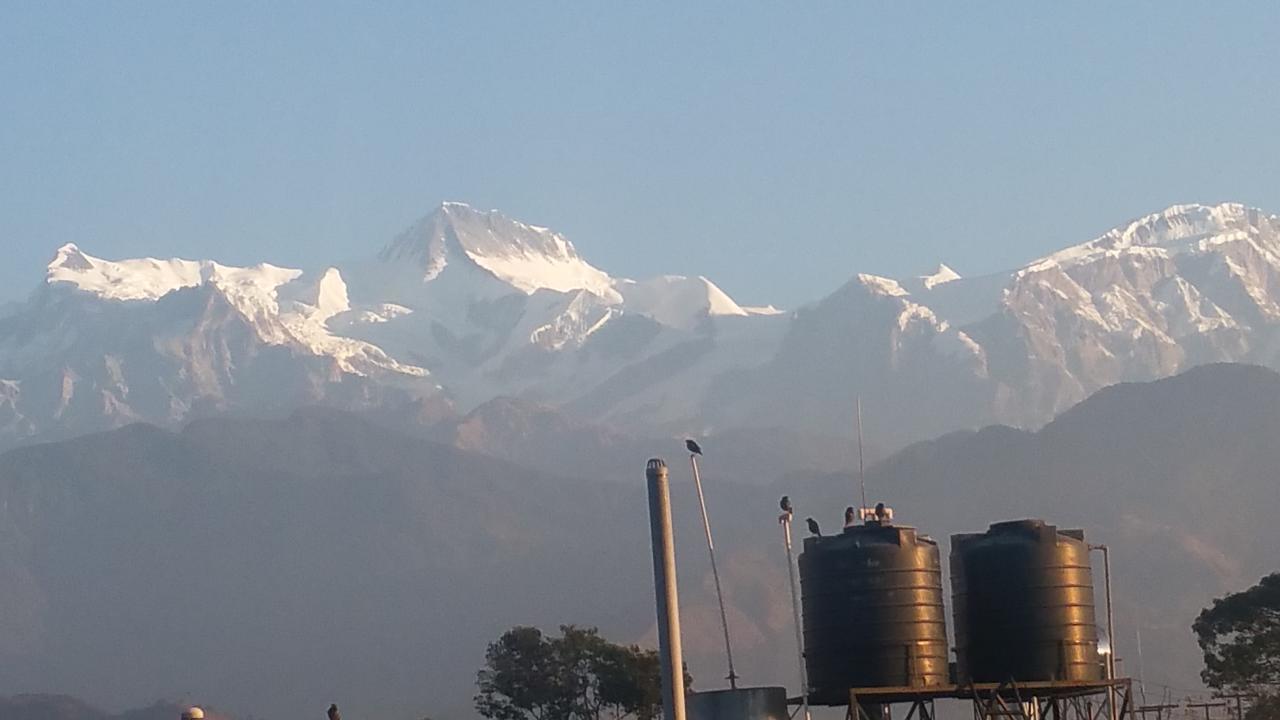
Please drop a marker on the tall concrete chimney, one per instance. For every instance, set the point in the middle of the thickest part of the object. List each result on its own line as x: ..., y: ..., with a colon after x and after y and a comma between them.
x: 664, y: 585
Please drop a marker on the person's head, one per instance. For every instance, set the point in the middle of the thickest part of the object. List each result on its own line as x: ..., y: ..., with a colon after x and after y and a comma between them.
x: 193, y: 713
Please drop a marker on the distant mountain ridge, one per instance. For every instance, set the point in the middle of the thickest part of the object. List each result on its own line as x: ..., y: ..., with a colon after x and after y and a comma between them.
x: 293, y: 559
x: 63, y: 707
x: 466, y: 306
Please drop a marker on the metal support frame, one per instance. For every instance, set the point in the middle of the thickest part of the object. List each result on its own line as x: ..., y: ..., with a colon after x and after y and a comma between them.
x: 1208, y: 706
x: 919, y: 709
x: 1010, y: 700
x: 1054, y: 701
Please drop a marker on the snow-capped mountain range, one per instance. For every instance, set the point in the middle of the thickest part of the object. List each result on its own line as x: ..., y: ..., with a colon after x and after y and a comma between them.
x: 466, y: 306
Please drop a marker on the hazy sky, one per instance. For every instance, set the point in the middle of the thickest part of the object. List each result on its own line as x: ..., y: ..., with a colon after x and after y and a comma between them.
x: 777, y: 148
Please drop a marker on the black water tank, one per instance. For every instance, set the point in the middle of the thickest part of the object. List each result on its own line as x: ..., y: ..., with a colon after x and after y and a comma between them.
x: 873, y: 612
x: 1022, y: 596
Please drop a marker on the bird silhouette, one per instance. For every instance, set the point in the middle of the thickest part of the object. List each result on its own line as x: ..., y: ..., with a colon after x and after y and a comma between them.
x: 333, y: 712
x: 693, y: 447
x: 785, y: 503
x: 848, y: 516
x: 813, y: 526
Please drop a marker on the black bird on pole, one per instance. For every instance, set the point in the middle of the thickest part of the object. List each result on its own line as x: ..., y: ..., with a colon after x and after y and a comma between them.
x: 333, y: 712
x: 693, y: 446
x: 785, y: 503
x: 813, y: 526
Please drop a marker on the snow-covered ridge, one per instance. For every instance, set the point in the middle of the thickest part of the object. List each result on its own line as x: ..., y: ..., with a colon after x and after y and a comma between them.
x: 152, y: 279
x: 882, y: 285
x: 941, y: 276
x: 281, y: 305
x: 1176, y: 230
x: 676, y: 300
x: 139, y: 279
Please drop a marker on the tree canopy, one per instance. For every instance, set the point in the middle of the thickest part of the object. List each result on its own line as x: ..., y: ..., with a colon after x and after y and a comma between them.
x: 578, y: 676
x: 1240, y: 637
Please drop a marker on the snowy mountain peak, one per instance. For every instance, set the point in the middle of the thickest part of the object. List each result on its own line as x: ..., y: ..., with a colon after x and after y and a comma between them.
x: 1175, y: 230
x: 678, y: 301
x: 878, y: 285
x: 941, y: 276
x: 527, y: 257
x: 69, y: 257
x: 322, y: 298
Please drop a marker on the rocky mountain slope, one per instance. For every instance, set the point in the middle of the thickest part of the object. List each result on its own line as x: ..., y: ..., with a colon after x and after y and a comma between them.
x: 467, y: 306
x: 268, y: 564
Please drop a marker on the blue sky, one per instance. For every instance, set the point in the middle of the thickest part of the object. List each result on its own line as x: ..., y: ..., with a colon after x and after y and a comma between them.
x: 776, y: 148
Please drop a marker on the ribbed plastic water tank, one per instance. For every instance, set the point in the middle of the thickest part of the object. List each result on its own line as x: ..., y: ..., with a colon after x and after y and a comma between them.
x: 1022, y: 599
x: 873, y: 611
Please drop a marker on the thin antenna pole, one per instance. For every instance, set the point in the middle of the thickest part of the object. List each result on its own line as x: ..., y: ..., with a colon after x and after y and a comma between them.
x: 715, y: 574
x: 795, y: 612
x: 1142, y: 685
x: 862, y: 477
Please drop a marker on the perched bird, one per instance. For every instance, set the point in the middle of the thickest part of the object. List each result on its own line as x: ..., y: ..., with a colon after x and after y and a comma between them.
x: 813, y: 526
x: 785, y: 503
x: 693, y: 447
x: 333, y: 712
x: 848, y: 516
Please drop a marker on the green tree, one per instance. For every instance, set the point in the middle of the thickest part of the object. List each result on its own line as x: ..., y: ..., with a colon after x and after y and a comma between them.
x: 522, y: 678
x: 630, y: 682
x: 1240, y: 637
x: 577, y: 676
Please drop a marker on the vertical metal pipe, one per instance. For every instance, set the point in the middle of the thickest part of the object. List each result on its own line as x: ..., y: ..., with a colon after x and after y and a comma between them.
x: 1111, y: 631
x: 862, y: 476
x: 715, y: 573
x: 795, y: 612
x: 664, y: 582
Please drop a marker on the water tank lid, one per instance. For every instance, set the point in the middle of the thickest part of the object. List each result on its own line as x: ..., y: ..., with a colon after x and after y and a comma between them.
x: 1033, y: 527
x: 1027, y: 525
x: 876, y: 532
